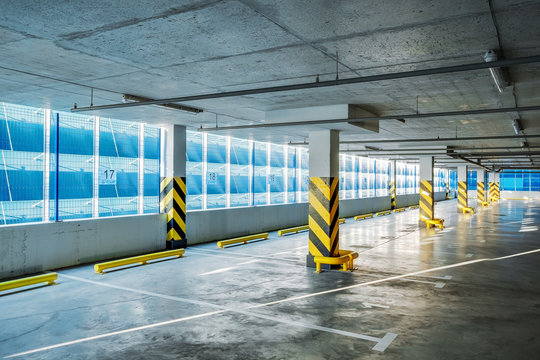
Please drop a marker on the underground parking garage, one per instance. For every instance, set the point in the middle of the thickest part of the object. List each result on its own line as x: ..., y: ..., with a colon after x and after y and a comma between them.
x: 248, y: 179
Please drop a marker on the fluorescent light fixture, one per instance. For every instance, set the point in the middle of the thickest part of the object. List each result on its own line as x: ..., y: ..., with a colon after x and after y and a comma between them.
x: 189, y: 109
x: 374, y: 148
x: 496, y: 72
x: 517, y: 126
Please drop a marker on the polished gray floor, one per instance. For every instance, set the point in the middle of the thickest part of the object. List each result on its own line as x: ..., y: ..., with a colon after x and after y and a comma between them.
x: 470, y: 291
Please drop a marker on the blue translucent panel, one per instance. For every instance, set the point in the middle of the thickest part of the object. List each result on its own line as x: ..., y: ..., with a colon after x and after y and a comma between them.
x: 535, y: 181
x: 471, y: 180
x: 259, y: 183
x: 118, y: 139
x: 277, y: 157
x: 23, y: 185
x: 194, y: 184
x: 76, y: 134
x: 214, y: 201
x: 239, y: 152
x: 126, y: 186
x: 151, y: 142
x: 239, y: 179
x: 151, y: 204
x: 72, y: 185
x: 259, y: 154
x: 239, y: 200
x: 194, y: 146
x: 117, y: 206
x: 151, y: 185
x: 304, y: 159
x: 275, y: 179
x: 291, y: 184
x: 291, y: 158
x: 348, y: 164
x: 21, y: 135
x: 194, y: 202
x: 216, y: 149
x: 216, y: 179
x: 217, y: 186
x: 277, y: 198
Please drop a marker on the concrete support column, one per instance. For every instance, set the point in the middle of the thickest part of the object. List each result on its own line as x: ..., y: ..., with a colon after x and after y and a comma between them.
x: 462, y: 188
x: 427, y: 198
x: 494, y: 193
x: 481, y: 186
x: 323, y: 195
x: 172, y: 190
x: 392, y: 185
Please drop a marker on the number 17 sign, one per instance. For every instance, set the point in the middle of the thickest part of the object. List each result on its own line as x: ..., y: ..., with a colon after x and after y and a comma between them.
x: 107, y: 176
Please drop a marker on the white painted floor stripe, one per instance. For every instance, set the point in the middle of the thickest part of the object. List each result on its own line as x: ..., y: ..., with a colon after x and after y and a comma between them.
x: 229, y: 268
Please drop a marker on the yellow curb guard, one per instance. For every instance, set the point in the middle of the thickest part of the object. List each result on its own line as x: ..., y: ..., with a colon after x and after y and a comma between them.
x: 493, y: 198
x: 142, y: 259
x: 345, y: 258
x: 293, y: 230
x: 382, y: 213
x: 485, y: 203
x: 399, y: 210
x: 434, y: 222
x: 243, y: 239
x: 32, y: 280
x: 413, y: 207
x: 363, y: 217
x: 467, y: 210
x: 342, y: 221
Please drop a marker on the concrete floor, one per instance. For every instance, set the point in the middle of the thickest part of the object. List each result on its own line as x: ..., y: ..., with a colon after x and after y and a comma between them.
x: 259, y: 301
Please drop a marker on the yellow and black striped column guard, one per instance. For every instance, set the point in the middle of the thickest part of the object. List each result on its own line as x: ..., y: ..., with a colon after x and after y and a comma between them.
x: 323, y: 218
x: 392, y: 193
x: 494, y: 193
x: 462, y: 196
x: 172, y: 201
x: 481, y: 191
x: 426, y: 200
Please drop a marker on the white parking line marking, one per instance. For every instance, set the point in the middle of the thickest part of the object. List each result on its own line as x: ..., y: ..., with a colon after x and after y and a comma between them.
x: 370, y: 305
x: 229, y: 268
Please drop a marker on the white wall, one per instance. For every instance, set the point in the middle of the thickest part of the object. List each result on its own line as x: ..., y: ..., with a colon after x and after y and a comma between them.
x: 520, y: 194
x: 30, y: 248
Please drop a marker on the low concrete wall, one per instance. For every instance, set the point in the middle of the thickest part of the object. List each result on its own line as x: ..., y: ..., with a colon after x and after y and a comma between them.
x: 30, y: 248
x: 217, y: 224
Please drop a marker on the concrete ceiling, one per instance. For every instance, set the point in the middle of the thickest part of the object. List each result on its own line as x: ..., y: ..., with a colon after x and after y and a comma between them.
x: 53, y: 52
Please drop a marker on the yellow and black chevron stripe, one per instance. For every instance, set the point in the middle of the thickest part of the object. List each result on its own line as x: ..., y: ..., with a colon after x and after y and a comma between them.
x: 494, y: 192
x: 392, y: 193
x: 426, y: 200
x: 172, y: 201
x: 481, y: 191
x: 462, y: 195
x: 323, y: 217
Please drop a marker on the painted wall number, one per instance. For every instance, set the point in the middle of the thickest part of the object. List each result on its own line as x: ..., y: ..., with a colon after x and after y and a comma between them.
x: 107, y: 177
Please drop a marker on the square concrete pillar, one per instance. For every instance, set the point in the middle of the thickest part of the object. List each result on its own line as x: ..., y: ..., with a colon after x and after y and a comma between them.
x: 323, y: 195
x: 463, y: 196
x: 427, y: 198
x: 172, y: 190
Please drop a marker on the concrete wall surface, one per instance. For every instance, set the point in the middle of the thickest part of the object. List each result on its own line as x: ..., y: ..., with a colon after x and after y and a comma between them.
x: 217, y: 224
x: 30, y: 248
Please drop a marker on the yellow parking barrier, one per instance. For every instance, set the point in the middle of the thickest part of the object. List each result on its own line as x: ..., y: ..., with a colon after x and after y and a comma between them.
x: 141, y: 259
x: 31, y: 280
x: 485, y: 203
x: 434, y: 222
x: 399, y: 210
x: 293, y: 230
x: 412, y: 207
x: 493, y: 198
x: 363, y: 217
x: 243, y: 239
x: 342, y: 221
x: 345, y: 258
x: 382, y: 213
x: 467, y: 210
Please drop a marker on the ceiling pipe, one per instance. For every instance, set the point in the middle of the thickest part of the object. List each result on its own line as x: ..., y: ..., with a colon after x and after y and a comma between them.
x: 435, y: 149
x: 372, y: 118
x: 469, y: 138
x: 127, y: 98
x: 321, y: 84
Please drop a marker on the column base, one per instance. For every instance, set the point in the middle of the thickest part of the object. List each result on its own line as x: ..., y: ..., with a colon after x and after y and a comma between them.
x: 176, y: 244
x: 311, y: 264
